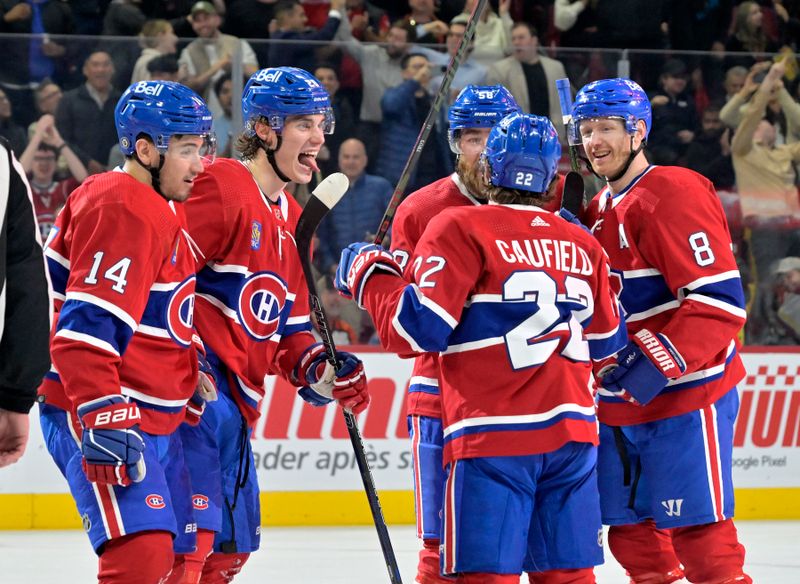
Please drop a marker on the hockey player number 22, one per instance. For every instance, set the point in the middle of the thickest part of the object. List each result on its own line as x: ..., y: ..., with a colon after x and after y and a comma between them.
x: 115, y: 273
x: 533, y: 341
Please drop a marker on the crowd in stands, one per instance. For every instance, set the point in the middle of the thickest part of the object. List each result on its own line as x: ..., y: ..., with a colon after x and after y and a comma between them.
x: 722, y: 77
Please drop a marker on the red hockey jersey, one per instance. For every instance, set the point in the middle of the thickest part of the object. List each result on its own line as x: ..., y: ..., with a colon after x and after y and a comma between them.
x: 252, y: 300
x: 47, y: 201
x: 122, y: 269
x: 413, y: 216
x: 516, y: 301
x: 669, y: 248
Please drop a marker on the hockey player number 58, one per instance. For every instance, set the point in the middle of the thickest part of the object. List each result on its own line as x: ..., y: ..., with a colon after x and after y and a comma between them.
x: 533, y: 341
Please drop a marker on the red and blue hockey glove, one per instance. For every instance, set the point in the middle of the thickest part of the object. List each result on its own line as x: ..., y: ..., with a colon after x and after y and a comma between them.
x: 321, y: 384
x: 644, y: 367
x: 206, y: 391
x: 356, y: 265
x: 111, y: 443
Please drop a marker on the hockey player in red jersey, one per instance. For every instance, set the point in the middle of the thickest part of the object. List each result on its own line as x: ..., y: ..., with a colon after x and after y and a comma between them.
x: 526, y: 294
x: 252, y: 308
x: 667, y: 409
x: 474, y: 112
x: 124, y: 360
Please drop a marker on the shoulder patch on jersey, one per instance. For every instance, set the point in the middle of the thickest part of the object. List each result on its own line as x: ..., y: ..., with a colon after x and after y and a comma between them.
x: 180, y: 312
x: 255, y: 236
x: 262, y: 300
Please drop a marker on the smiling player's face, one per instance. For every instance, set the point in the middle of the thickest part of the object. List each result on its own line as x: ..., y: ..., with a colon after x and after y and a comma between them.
x: 182, y: 164
x: 302, y: 138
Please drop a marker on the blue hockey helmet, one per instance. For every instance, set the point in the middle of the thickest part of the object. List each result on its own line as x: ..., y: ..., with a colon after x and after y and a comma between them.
x: 160, y: 110
x: 478, y: 106
x: 279, y: 92
x: 611, y: 98
x: 523, y: 153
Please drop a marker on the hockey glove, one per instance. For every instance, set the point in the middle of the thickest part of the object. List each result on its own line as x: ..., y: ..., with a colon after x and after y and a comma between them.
x: 644, y: 367
x: 111, y: 443
x: 321, y: 384
x: 206, y: 391
x: 356, y: 265
x: 568, y: 215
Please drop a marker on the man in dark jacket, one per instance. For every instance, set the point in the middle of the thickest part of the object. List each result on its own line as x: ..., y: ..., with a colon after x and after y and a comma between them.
x: 25, y: 308
x: 405, y: 108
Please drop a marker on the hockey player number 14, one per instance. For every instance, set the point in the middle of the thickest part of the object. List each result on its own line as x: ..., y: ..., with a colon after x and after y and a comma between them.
x: 534, y: 340
x: 115, y: 273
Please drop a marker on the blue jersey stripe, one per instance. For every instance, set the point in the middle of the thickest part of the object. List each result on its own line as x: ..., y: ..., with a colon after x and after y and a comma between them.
x: 519, y: 427
x: 425, y: 326
x: 90, y: 319
x: 58, y: 276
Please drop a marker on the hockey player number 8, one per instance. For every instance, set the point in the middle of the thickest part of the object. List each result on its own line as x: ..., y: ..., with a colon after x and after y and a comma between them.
x: 527, y: 343
x: 702, y: 249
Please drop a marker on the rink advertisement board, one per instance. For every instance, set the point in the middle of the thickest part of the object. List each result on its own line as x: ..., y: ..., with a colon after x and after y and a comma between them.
x: 308, y: 472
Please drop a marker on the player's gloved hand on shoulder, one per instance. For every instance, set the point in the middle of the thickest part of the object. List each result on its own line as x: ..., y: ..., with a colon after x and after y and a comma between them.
x: 568, y: 215
x: 644, y: 367
x: 357, y: 263
x: 111, y: 443
x: 206, y: 391
x: 321, y: 384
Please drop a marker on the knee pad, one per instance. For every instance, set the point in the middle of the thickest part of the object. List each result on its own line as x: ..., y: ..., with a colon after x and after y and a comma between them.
x: 222, y: 568
x: 484, y: 578
x: 121, y: 559
x: 711, y: 553
x: 188, y: 568
x: 576, y: 576
x: 428, y: 567
x: 645, y: 552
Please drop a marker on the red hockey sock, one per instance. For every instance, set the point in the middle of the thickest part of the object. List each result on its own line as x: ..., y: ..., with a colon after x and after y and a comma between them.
x: 121, y: 560
x: 485, y: 578
x: 189, y: 567
x: 221, y: 568
x: 711, y: 553
x: 645, y: 552
x: 577, y: 576
x: 428, y: 569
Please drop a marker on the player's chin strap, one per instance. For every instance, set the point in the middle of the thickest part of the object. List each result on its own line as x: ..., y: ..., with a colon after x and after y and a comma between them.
x: 155, y: 172
x: 270, y: 152
x: 633, y: 154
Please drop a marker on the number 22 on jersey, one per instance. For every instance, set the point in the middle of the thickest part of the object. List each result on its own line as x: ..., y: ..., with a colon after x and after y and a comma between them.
x: 528, y: 343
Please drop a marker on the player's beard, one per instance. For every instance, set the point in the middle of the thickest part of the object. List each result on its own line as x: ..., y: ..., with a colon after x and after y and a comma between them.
x: 470, y: 175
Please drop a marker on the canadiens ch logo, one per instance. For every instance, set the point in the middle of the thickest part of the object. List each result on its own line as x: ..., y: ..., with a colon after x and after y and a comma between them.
x: 255, y: 236
x: 155, y: 501
x: 200, y: 502
x: 261, y: 303
x: 180, y: 312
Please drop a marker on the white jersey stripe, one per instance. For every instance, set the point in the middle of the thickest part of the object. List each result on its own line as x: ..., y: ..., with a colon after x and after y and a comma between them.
x: 730, y: 308
x: 88, y: 339
x: 653, y: 311
x: 474, y: 345
x: 105, y: 305
x: 521, y: 419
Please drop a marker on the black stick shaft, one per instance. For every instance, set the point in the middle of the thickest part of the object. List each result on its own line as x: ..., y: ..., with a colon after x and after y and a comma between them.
x: 427, y: 126
x: 305, y: 231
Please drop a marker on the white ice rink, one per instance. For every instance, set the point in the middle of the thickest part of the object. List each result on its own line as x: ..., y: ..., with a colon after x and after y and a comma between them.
x: 346, y: 556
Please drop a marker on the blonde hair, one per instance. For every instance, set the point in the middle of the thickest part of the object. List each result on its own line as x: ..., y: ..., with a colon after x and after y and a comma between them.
x: 752, y: 39
x: 148, y: 38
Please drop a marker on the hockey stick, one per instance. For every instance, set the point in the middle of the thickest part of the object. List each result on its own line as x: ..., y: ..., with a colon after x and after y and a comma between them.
x: 427, y: 126
x: 322, y: 200
x: 572, y: 195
